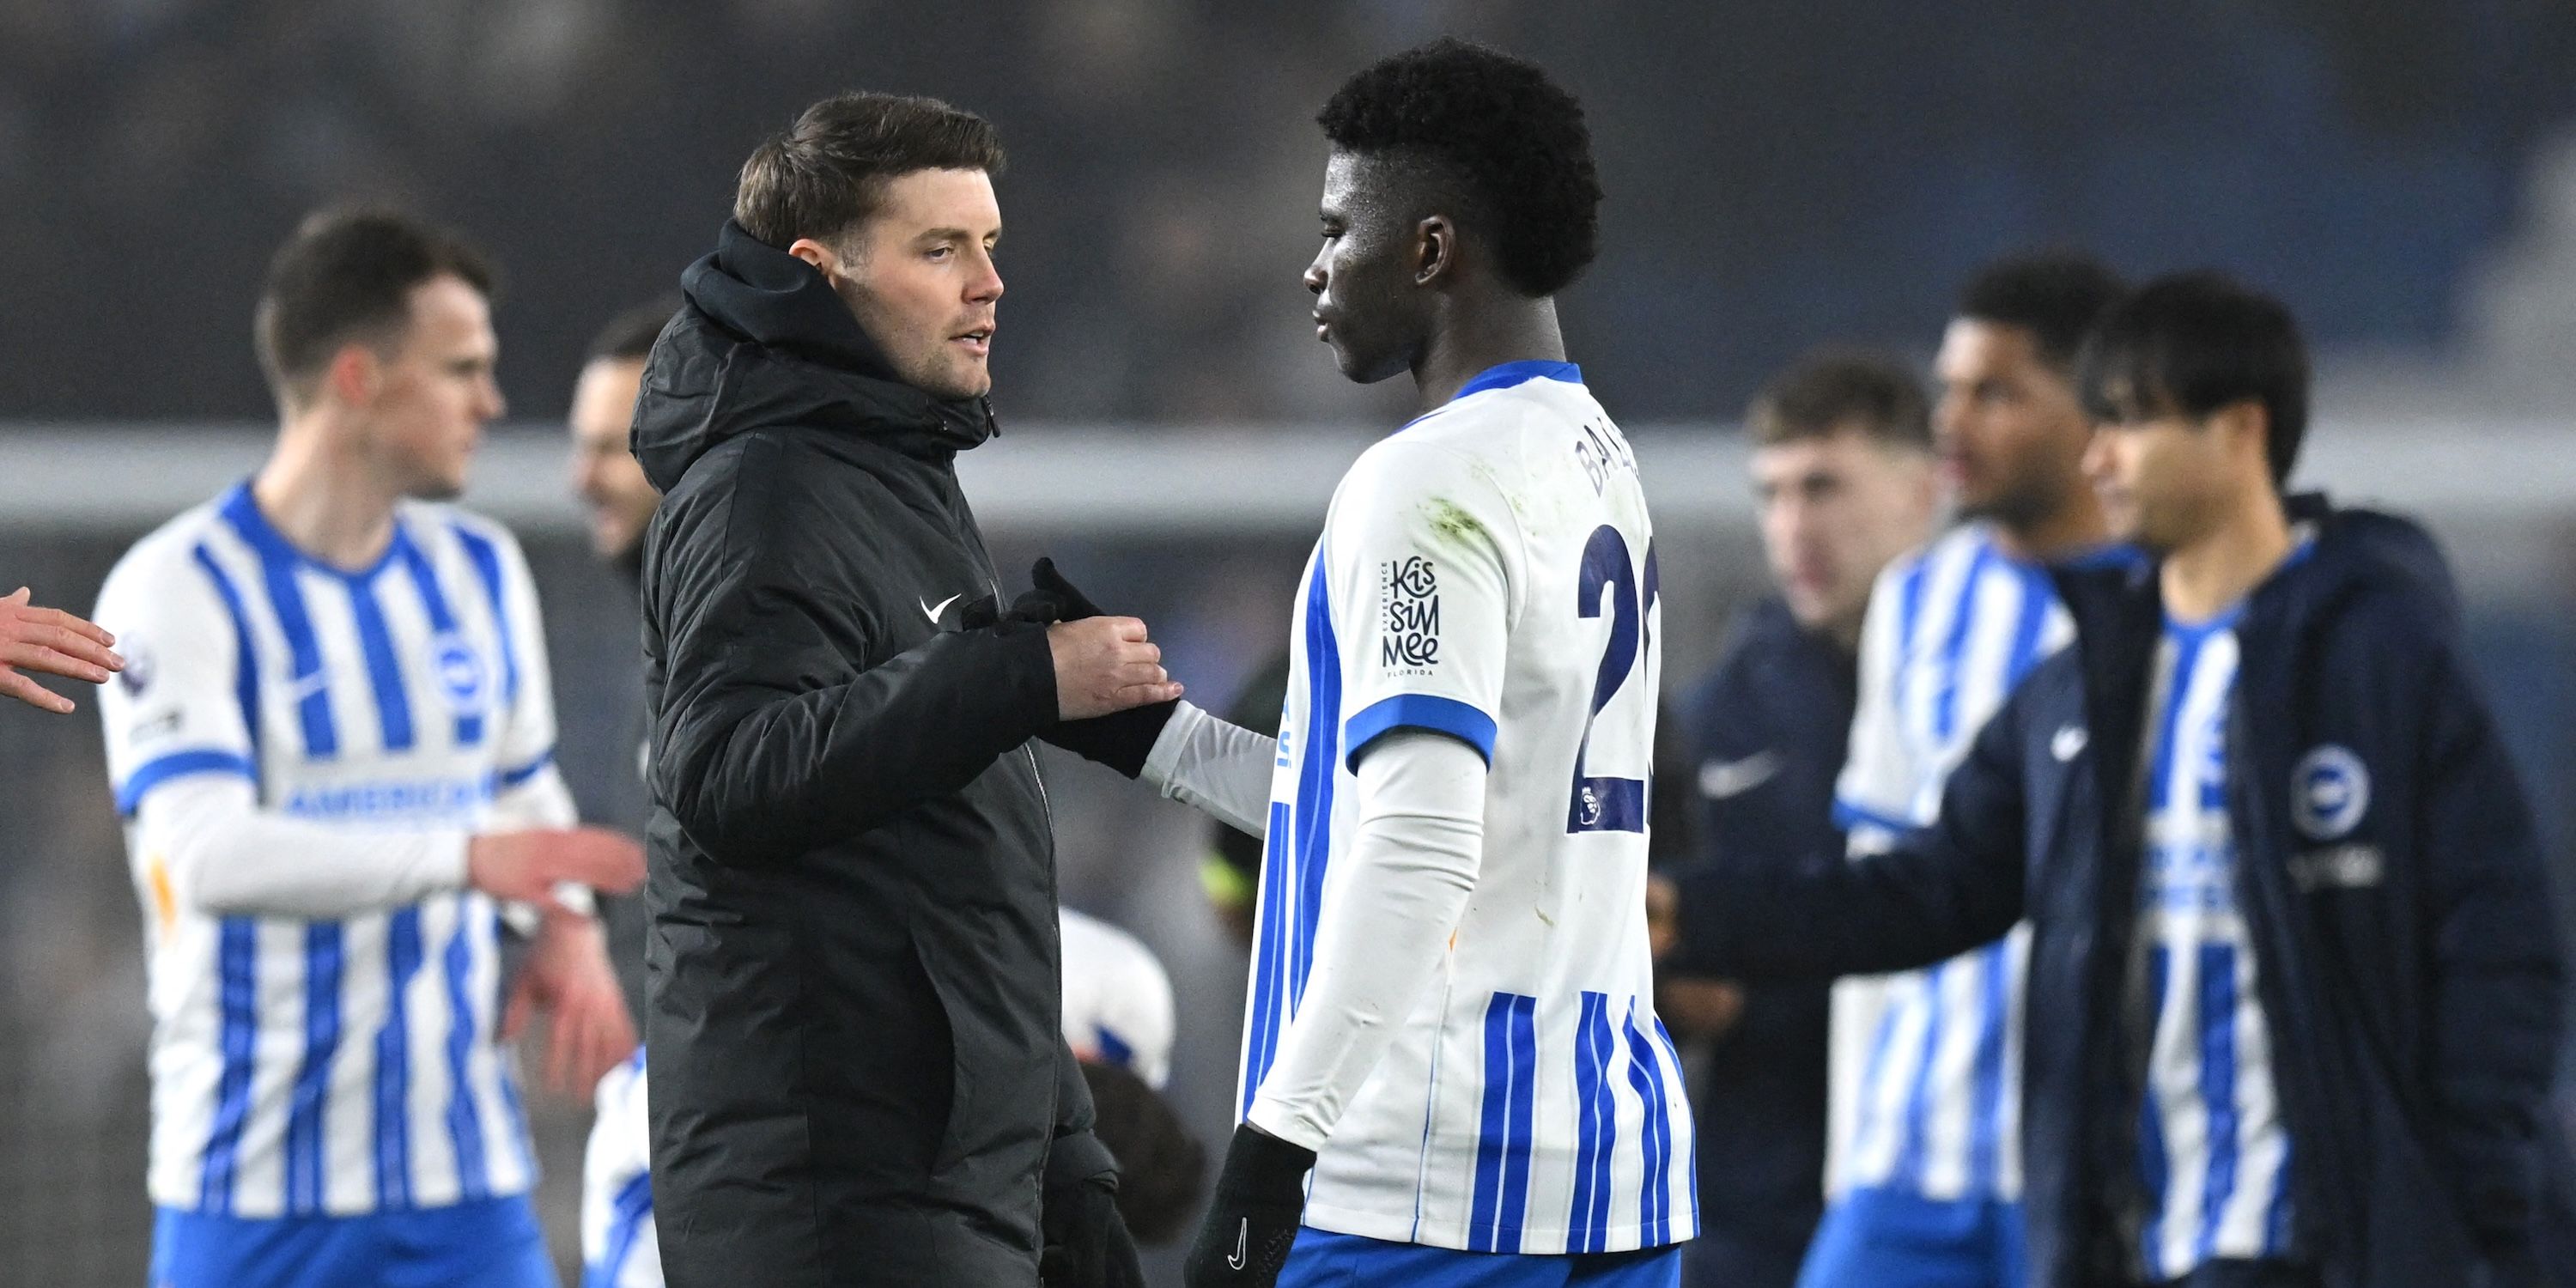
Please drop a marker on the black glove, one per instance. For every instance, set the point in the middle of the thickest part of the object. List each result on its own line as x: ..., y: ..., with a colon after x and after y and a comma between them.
x: 1252, y: 1221
x: 1122, y: 739
x: 1087, y: 1245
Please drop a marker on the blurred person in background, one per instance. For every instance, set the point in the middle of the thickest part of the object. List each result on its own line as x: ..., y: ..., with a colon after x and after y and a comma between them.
x: 1162, y: 1168
x: 618, y: 1248
x: 333, y: 746
x: 1117, y: 998
x: 2296, y: 989
x: 1455, y: 808
x: 1118, y: 1019
x: 53, y: 642
x: 1923, y: 1168
x: 1843, y: 481
x: 620, y: 501
x: 853, y: 977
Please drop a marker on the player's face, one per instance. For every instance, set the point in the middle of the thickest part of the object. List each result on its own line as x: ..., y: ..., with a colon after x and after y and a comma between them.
x: 2009, y: 428
x: 604, y: 472
x: 1835, y: 509
x: 921, y: 278
x: 435, y: 391
x: 1361, y: 277
x: 2165, y: 479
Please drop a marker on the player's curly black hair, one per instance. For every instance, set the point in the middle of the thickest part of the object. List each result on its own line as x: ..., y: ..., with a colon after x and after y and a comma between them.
x: 1502, y: 140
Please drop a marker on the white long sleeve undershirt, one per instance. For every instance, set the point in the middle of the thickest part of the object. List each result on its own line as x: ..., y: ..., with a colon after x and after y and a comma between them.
x: 1398, y: 893
x: 226, y: 856
x: 1400, y: 889
x: 1223, y: 769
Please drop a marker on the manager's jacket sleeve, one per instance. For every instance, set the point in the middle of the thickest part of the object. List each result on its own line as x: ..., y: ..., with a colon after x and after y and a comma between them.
x: 771, y: 741
x: 1937, y: 893
x: 2498, y: 972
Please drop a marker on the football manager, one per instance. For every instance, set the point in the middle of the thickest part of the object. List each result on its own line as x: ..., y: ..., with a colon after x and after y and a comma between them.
x: 856, y: 1073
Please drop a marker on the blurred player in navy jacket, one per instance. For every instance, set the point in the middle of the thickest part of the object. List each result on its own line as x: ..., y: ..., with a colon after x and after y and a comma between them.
x: 1842, y: 472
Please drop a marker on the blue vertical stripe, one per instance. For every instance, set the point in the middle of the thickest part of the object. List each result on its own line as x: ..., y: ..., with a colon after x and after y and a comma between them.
x: 384, y: 670
x: 1985, y: 1149
x: 2169, y: 756
x: 393, y: 1063
x: 486, y: 559
x: 2276, y: 1216
x: 464, y: 1118
x: 633, y: 1207
x: 2037, y: 597
x: 2154, y: 1166
x: 1690, y: 1165
x: 1520, y: 1124
x: 1269, y: 961
x: 1655, y: 1138
x: 1500, y: 1203
x: 442, y: 625
x: 1954, y: 650
x: 1909, y: 621
x: 245, y: 658
x: 2217, y: 1086
x: 237, y: 976
x: 305, y: 1172
x: 1918, y: 1091
x: 1596, y: 1128
x: 277, y: 562
x: 1315, y: 777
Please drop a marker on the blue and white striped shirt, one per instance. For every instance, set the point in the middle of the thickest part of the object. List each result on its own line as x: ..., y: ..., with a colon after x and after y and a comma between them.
x: 2213, y: 1155
x: 330, y: 1066
x: 1927, y: 1064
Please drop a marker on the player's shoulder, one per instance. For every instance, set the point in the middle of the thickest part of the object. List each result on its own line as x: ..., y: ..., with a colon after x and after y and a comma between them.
x: 166, y: 557
x: 428, y: 517
x: 1956, y: 544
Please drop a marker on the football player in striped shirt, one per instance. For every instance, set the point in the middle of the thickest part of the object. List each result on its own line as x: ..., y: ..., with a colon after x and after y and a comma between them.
x: 1451, y: 1004
x: 1924, y: 1171
x: 333, y: 748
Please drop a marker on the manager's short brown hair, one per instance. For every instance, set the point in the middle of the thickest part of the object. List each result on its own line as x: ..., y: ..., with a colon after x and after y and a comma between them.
x: 825, y: 177
x: 347, y: 275
x: 1832, y: 390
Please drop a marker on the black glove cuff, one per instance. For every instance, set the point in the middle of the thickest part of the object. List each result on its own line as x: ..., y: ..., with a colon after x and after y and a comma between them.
x: 1261, y: 1168
x: 1079, y: 1157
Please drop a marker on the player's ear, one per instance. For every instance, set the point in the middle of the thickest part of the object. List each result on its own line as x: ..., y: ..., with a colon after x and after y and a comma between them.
x: 1435, y: 249
x: 355, y: 375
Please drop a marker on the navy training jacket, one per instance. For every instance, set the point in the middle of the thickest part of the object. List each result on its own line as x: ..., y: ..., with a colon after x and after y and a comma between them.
x: 1767, y: 730
x: 2408, y: 962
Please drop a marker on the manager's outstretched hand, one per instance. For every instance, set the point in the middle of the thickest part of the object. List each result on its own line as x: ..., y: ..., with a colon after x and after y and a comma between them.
x: 1121, y: 739
x: 1106, y: 664
x: 54, y: 642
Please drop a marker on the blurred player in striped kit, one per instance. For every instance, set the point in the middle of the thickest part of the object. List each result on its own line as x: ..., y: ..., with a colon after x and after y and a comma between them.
x: 333, y: 747
x: 1924, y: 1168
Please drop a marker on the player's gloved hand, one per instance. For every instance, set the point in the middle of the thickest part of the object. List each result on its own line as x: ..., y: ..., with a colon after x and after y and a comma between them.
x: 1087, y: 1244
x: 1121, y: 740
x: 1252, y: 1220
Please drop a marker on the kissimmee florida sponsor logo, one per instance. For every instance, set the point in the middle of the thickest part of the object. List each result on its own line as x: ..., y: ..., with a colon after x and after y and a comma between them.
x: 1409, y: 615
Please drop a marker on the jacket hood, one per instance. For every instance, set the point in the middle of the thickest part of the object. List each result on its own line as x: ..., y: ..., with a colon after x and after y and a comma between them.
x: 762, y: 341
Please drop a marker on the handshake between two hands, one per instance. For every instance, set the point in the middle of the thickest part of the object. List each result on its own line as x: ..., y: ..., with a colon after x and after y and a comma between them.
x: 1112, y: 693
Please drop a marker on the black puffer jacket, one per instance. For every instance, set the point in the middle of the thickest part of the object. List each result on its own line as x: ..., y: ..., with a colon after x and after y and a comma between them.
x: 856, y: 1071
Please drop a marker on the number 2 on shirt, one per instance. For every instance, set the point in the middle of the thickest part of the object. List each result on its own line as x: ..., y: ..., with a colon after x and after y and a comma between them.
x: 1605, y: 804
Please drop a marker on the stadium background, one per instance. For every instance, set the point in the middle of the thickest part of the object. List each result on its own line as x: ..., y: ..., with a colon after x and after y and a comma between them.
x: 1778, y: 175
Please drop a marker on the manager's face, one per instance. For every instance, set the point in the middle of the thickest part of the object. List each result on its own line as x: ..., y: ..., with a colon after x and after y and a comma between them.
x: 920, y: 276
